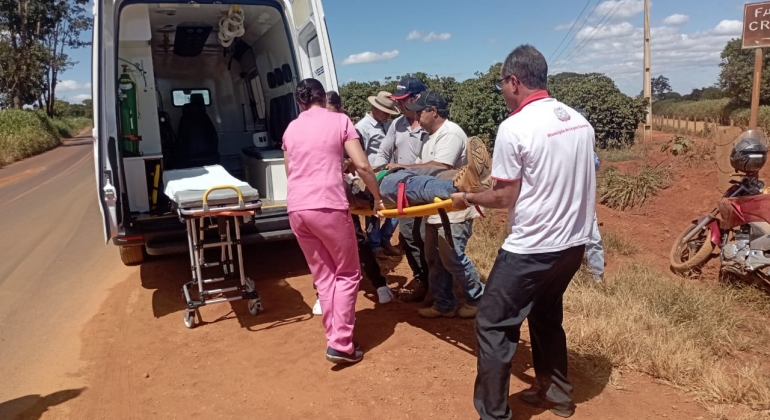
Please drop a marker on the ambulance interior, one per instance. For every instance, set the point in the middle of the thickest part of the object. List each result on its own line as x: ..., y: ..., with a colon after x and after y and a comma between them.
x: 203, y: 100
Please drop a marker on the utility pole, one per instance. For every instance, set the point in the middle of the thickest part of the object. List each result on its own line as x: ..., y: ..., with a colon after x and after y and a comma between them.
x: 647, y: 75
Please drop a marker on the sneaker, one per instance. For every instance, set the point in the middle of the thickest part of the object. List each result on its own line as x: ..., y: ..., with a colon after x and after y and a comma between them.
x: 532, y: 398
x: 335, y: 356
x: 385, y: 294
x: 389, y: 249
x: 468, y: 311
x: 317, y: 308
x: 476, y: 174
x: 434, y: 313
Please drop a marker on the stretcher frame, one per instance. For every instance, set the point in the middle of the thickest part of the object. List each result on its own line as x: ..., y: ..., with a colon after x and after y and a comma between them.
x: 195, y: 219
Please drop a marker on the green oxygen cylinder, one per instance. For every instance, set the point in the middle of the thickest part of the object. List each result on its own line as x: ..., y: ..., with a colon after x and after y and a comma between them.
x: 128, y: 113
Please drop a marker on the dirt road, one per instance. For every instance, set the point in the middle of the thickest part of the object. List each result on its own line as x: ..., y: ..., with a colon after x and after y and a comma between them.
x: 84, y: 337
x: 55, y: 272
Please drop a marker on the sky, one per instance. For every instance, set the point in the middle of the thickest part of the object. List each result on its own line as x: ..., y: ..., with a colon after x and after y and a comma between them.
x: 372, y: 39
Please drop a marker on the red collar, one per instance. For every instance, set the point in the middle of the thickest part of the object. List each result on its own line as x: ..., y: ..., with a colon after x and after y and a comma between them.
x: 541, y: 94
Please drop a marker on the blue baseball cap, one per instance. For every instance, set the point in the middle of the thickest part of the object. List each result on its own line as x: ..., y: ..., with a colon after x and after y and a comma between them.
x: 406, y: 87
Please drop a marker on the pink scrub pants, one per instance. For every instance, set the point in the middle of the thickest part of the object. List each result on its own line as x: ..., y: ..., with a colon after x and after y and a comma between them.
x: 328, y: 240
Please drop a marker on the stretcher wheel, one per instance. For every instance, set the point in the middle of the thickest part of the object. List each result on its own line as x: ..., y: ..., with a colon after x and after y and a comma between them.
x: 132, y: 255
x: 189, y: 318
x: 255, y: 306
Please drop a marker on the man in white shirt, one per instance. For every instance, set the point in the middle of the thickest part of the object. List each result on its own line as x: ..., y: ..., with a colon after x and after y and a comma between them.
x: 446, y: 147
x: 544, y: 175
x: 371, y: 130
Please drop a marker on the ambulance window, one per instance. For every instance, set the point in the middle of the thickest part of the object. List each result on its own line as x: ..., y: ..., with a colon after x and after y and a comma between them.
x: 182, y: 96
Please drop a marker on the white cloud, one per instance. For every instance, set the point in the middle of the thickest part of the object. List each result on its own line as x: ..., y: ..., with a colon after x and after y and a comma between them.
x: 564, y: 26
x: 415, y: 34
x: 369, y: 57
x: 80, y: 98
x: 688, y: 59
x: 729, y: 27
x: 629, y: 8
x: 676, y: 19
x: 605, y: 31
x: 67, y: 85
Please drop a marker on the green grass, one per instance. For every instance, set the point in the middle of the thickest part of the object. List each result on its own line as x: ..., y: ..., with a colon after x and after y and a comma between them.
x: 27, y: 133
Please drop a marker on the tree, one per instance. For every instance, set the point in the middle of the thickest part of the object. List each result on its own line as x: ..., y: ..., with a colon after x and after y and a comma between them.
x: 478, y: 107
x: 70, y: 21
x: 33, y: 37
x: 660, y: 87
x: 737, y: 74
x: 614, y: 115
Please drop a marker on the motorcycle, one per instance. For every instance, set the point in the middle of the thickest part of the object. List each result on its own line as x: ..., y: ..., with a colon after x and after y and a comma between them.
x: 739, y: 225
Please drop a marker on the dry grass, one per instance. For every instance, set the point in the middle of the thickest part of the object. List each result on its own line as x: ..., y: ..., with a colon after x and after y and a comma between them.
x: 709, y: 341
x: 617, y: 244
x: 622, y: 154
x: 619, y: 190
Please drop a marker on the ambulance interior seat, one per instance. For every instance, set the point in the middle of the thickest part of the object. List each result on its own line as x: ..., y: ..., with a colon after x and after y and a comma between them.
x: 197, y: 141
x: 282, y: 112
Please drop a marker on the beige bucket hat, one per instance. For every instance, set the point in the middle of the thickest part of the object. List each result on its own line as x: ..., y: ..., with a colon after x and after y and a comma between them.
x: 383, y: 102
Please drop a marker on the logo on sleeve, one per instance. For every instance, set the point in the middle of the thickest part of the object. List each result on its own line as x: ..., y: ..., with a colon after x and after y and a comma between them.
x: 561, y: 114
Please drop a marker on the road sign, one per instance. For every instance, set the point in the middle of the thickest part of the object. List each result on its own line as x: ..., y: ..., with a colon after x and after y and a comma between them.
x: 756, y: 25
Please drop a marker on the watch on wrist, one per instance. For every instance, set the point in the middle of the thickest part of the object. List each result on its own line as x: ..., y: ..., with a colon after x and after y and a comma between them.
x: 465, y: 199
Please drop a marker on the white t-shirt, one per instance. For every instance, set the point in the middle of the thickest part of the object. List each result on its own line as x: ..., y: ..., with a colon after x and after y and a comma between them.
x: 548, y: 146
x: 448, y: 146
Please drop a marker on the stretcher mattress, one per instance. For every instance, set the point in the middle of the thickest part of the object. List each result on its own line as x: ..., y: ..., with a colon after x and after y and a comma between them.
x: 186, y: 187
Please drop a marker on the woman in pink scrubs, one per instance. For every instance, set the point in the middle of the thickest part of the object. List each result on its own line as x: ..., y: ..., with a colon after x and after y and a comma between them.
x: 318, y: 210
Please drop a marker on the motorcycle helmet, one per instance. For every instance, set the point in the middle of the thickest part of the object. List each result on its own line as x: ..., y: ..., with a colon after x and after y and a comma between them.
x: 749, y: 152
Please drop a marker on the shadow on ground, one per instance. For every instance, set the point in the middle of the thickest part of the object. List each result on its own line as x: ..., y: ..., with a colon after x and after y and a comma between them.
x: 32, y: 407
x: 268, y: 265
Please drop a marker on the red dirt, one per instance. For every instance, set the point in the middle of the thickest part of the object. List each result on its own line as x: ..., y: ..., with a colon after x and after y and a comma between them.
x: 143, y: 362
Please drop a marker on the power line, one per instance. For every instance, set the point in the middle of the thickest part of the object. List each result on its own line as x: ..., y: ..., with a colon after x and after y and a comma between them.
x: 570, y: 30
x: 601, y: 24
x: 578, y: 31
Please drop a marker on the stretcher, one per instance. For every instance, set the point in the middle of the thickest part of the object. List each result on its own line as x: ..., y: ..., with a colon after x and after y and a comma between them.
x: 210, y: 201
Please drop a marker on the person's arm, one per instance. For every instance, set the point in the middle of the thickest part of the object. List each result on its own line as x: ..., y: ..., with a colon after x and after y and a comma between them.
x: 286, y: 162
x: 387, y: 148
x: 365, y: 171
x: 503, y: 195
x: 447, y: 152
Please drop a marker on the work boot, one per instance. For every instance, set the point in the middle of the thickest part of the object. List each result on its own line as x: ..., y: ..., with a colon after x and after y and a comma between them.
x: 468, y: 311
x: 533, y: 398
x: 476, y: 174
x: 418, y: 293
x: 390, y: 249
x: 435, y: 313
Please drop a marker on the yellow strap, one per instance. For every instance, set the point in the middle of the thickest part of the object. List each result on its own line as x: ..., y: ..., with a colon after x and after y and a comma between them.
x: 412, y: 211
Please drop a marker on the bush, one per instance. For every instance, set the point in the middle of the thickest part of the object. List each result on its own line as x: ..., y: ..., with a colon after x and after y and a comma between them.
x: 27, y: 133
x: 741, y: 118
x: 618, y: 190
x: 697, y: 110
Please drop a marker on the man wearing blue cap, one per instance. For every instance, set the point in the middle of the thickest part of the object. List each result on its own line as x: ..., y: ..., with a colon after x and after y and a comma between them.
x: 403, y: 145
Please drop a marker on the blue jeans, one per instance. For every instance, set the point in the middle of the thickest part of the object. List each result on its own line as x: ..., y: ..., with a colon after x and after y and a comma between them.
x: 445, y: 263
x: 376, y: 234
x: 595, y: 251
x: 420, y: 189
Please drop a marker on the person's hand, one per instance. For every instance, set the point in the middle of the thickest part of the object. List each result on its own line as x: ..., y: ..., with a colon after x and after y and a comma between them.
x: 458, y: 201
x: 378, y: 207
x: 393, y: 166
x: 348, y: 166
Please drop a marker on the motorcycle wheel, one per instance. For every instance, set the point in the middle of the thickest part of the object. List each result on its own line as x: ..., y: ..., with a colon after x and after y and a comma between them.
x: 685, y: 257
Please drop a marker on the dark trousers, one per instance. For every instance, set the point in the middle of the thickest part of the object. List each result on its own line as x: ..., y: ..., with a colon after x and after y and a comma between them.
x: 369, y: 263
x: 524, y: 287
x: 411, y: 234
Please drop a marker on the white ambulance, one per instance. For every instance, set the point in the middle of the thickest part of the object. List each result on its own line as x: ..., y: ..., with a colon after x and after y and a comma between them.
x: 183, y: 84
